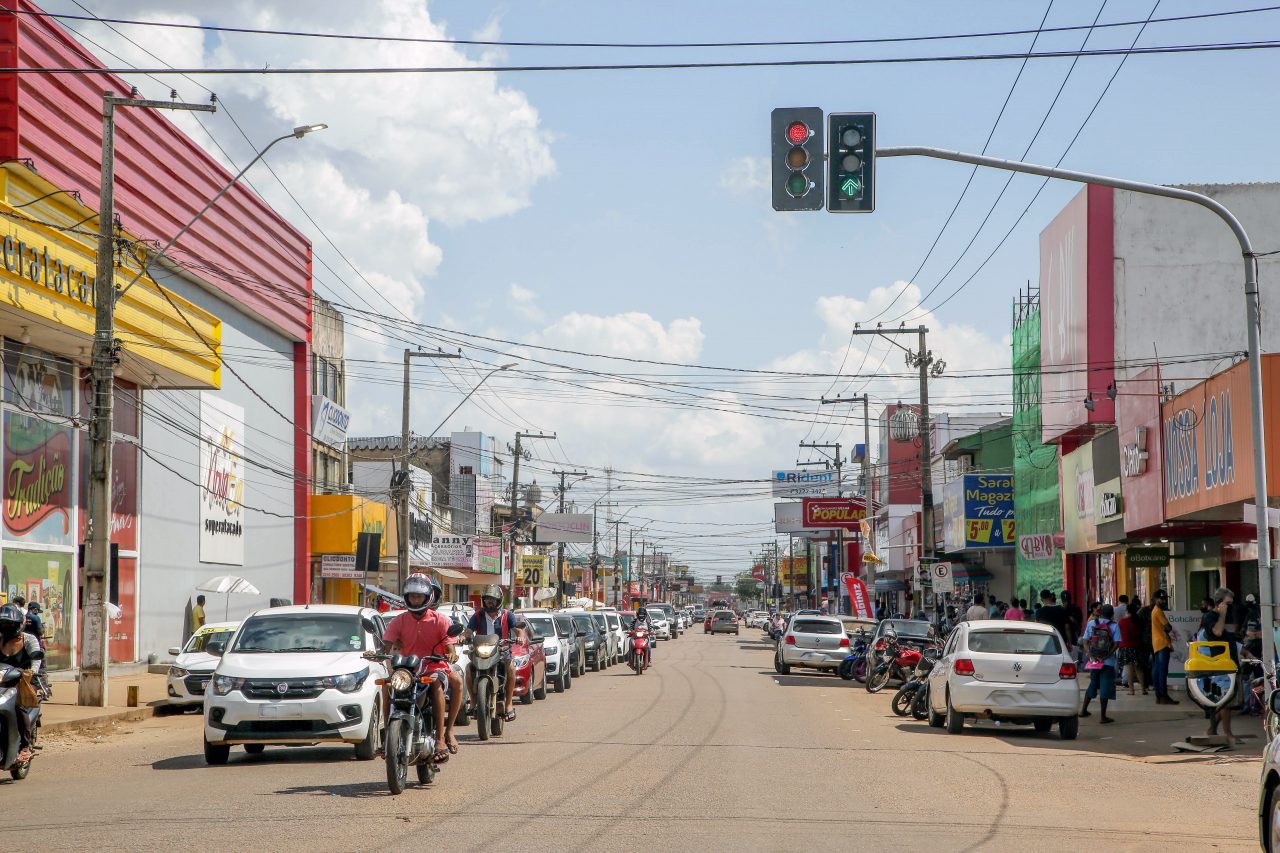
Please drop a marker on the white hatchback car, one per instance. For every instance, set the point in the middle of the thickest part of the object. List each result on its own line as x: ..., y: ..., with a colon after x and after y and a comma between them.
x: 297, y: 675
x: 193, y: 667
x: 542, y: 625
x: 1016, y: 672
x: 660, y: 623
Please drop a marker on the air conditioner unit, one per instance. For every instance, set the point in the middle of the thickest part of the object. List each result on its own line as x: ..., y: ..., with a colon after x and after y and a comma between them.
x: 965, y: 461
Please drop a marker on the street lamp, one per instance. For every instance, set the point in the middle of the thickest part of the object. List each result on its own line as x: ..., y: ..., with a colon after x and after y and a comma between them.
x: 92, y: 689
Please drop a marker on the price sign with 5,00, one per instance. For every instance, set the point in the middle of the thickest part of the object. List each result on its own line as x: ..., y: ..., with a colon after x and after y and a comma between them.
x: 943, y: 580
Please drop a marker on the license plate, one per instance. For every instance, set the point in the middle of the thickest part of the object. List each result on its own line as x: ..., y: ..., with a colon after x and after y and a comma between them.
x: 277, y: 710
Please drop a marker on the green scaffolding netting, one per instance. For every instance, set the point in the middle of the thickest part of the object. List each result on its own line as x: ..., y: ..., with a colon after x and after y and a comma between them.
x: 1035, y: 464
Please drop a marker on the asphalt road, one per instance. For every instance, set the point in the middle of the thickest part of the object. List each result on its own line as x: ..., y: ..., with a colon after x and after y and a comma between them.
x: 709, y: 750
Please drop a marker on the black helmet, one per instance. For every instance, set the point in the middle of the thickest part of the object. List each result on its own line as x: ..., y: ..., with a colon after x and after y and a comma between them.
x: 11, y: 621
x: 420, y: 584
x: 34, y: 607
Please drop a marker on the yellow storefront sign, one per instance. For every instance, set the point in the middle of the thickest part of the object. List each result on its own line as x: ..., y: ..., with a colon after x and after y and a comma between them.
x: 337, y: 521
x: 48, y: 251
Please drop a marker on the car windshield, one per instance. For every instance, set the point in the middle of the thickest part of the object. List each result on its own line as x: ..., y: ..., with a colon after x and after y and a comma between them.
x: 655, y: 612
x: 582, y: 622
x: 542, y: 626
x: 1015, y: 642
x: 628, y: 619
x: 816, y: 626
x: 565, y: 625
x: 724, y: 616
x: 301, y: 632
x: 601, y: 622
x: 906, y: 627
x: 201, y: 638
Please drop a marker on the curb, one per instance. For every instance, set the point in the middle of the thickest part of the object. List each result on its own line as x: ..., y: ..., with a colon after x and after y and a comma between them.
x: 84, y: 724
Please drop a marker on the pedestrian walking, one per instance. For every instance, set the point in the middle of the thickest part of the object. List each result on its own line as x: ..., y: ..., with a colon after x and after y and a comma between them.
x: 1122, y: 608
x: 1129, y: 655
x: 1015, y: 610
x: 1101, y: 640
x: 1052, y: 613
x: 978, y: 610
x: 1162, y: 648
x: 197, y: 614
x: 1075, y: 619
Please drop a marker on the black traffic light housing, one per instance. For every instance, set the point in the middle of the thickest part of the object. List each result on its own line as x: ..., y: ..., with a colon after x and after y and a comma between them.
x: 795, y: 135
x: 851, y: 167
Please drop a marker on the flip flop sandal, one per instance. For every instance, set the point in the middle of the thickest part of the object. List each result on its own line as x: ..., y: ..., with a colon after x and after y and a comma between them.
x: 509, y: 717
x: 453, y: 749
x: 441, y: 756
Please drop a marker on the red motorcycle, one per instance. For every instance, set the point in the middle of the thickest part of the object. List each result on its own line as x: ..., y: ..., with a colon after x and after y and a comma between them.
x: 892, y: 660
x: 639, y: 649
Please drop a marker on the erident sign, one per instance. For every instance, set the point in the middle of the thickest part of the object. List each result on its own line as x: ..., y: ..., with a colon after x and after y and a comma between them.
x: 804, y: 484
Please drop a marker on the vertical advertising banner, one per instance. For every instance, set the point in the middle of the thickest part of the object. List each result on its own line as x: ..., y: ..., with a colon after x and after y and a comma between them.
x: 859, y: 600
x: 37, y: 480
x: 488, y: 551
x: 222, y: 481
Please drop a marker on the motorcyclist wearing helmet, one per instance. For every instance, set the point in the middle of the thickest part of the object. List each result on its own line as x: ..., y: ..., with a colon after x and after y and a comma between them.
x: 493, y: 618
x: 422, y: 630
x: 21, y: 651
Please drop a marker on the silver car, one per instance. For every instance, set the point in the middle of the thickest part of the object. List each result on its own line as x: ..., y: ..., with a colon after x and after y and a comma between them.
x: 815, y: 642
x: 1269, y: 793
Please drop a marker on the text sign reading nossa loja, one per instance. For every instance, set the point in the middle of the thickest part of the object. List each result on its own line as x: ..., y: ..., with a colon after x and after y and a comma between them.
x: 833, y: 513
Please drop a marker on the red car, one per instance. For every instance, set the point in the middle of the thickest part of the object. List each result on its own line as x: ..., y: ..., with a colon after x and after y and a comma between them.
x: 531, y: 672
x: 706, y: 623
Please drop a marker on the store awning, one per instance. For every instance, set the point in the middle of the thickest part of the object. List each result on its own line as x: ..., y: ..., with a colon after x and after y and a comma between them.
x: 886, y: 585
x: 973, y: 573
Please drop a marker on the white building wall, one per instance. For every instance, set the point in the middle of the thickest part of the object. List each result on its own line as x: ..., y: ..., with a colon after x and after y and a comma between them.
x: 1179, y: 278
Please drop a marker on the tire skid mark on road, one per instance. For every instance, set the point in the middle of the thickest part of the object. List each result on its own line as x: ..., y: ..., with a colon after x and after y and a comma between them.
x: 916, y: 821
x: 686, y: 757
x: 592, y: 779
x: 996, y: 822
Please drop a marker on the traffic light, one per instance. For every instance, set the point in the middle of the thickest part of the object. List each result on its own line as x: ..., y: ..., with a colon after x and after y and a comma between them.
x: 852, y: 165
x: 796, y: 139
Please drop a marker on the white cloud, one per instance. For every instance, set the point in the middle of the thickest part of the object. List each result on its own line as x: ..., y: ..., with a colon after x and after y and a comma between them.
x: 633, y: 334
x: 524, y: 301
x: 746, y: 175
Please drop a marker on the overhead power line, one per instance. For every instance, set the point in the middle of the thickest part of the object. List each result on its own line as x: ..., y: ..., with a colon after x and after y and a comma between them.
x: 258, y: 31
x: 358, y: 70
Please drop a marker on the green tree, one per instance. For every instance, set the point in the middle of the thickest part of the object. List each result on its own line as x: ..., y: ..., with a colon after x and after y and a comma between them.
x: 747, y: 588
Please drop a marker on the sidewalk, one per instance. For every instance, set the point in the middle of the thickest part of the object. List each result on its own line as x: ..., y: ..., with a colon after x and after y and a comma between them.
x: 61, y: 713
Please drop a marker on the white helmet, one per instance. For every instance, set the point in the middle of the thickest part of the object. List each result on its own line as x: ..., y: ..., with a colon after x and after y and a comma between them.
x: 420, y: 584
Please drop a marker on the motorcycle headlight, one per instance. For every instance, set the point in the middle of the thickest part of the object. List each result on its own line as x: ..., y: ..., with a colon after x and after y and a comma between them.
x: 348, y: 683
x: 486, y: 650
x: 521, y: 660
x: 400, y: 680
x: 177, y: 672
x: 224, y: 684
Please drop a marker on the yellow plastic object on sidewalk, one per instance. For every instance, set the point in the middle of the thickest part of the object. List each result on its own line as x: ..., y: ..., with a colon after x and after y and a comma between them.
x: 1208, y: 658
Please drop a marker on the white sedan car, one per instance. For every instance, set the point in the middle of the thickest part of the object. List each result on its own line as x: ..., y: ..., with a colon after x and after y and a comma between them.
x: 193, y: 667
x: 297, y: 675
x: 813, y: 642
x: 1015, y: 672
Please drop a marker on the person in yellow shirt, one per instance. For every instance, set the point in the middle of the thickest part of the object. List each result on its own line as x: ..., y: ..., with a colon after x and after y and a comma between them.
x: 197, y: 614
x: 1162, y: 647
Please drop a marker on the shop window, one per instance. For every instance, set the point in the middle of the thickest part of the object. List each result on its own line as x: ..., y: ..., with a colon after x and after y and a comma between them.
x: 37, y: 381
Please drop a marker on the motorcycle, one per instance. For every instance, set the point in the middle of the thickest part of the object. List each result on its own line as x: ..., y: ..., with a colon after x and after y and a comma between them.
x: 911, y: 696
x: 854, y: 666
x: 489, y: 676
x: 639, y: 659
x: 891, y: 660
x: 409, y: 739
x: 10, y: 734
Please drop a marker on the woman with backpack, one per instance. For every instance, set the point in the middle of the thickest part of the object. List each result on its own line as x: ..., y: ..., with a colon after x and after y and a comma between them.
x: 1101, y: 639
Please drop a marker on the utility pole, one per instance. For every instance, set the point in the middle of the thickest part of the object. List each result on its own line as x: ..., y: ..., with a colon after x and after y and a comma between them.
x: 617, y: 546
x: 560, y: 546
x: 833, y: 603
x: 515, y: 511
x: 92, y: 690
x: 400, y: 482
x: 631, y: 547
x: 924, y: 361
x: 595, y: 544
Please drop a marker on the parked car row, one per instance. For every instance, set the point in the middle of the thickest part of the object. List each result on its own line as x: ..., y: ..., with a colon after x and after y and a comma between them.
x: 298, y: 675
x: 1010, y: 672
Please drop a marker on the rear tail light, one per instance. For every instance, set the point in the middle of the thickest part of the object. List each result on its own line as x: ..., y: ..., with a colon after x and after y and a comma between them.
x: 791, y: 641
x: 844, y: 642
x: 1067, y: 670
x: 964, y: 666
x: 880, y: 645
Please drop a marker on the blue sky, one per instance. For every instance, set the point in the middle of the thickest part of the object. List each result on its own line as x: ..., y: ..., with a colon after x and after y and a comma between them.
x: 628, y: 213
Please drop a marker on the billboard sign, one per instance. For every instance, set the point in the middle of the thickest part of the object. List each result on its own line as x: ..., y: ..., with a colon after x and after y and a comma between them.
x: 832, y: 513
x: 978, y: 512
x: 804, y: 484
x: 1036, y: 546
x: 222, y: 481
x: 340, y: 566
x: 329, y: 421
x: 454, y: 552
x: 563, y: 527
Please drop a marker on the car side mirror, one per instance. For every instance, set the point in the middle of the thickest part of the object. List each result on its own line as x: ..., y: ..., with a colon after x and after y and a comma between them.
x: 582, y: 633
x: 175, y: 651
x: 215, y: 648
x: 455, y: 630
x: 538, y: 641
x: 369, y: 625
x: 1274, y: 701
